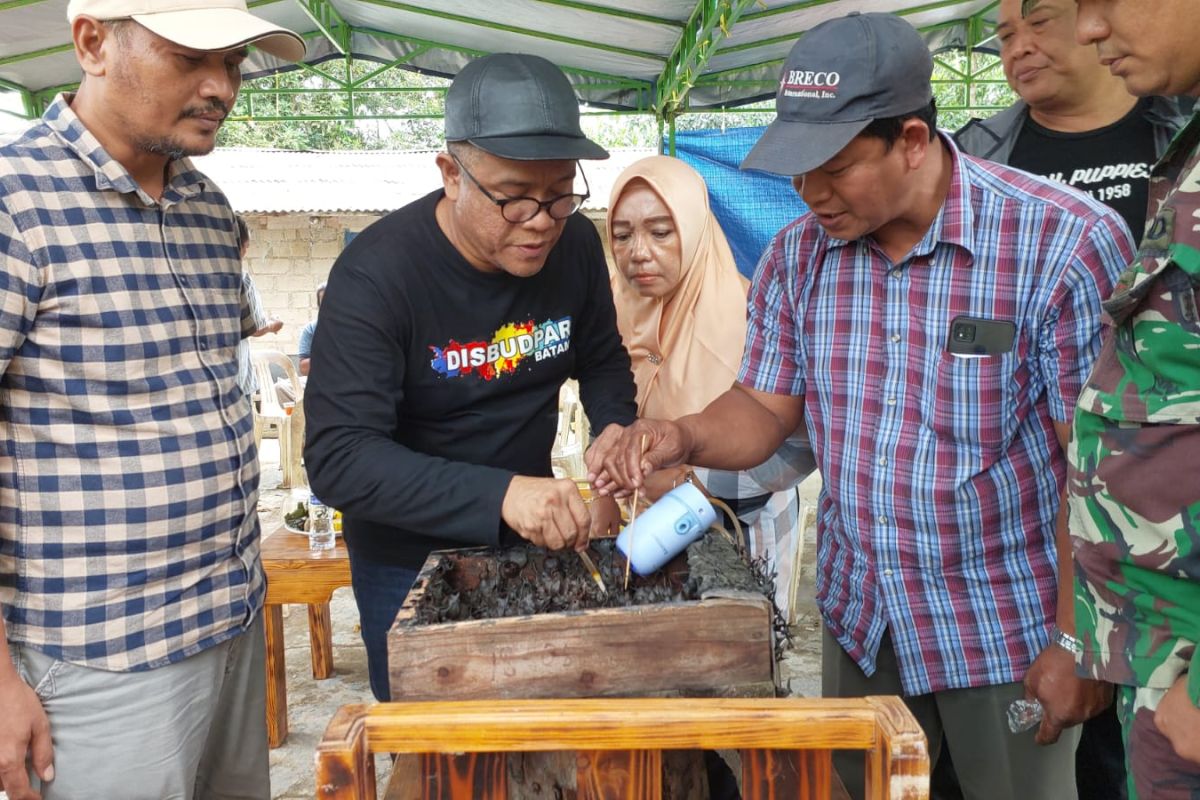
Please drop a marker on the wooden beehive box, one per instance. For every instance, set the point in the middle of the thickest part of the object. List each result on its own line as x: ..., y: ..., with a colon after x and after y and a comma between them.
x: 720, y: 645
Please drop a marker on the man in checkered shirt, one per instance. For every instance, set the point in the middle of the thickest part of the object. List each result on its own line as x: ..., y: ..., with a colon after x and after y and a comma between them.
x: 130, y: 582
x: 931, y: 322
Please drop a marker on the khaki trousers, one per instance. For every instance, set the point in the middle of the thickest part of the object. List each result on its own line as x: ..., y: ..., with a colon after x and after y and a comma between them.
x: 991, y: 762
x: 193, y: 729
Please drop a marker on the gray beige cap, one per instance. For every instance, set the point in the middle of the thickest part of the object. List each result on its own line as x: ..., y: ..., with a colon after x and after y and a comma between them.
x: 517, y: 106
x: 209, y: 25
x: 840, y: 77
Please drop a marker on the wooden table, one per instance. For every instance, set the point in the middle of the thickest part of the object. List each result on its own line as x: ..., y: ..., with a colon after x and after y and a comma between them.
x: 296, y: 574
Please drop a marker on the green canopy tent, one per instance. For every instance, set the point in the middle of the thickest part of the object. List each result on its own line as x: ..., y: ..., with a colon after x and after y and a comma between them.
x: 660, y: 57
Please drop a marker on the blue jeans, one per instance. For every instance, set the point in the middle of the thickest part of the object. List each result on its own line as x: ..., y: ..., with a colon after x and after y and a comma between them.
x: 379, y: 590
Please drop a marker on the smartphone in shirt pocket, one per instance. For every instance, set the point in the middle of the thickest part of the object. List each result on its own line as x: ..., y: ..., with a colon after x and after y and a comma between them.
x: 976, y: 337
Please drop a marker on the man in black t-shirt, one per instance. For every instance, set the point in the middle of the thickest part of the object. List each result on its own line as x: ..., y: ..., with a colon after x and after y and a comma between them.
x: 448, y: 328
x: 1075, y: 122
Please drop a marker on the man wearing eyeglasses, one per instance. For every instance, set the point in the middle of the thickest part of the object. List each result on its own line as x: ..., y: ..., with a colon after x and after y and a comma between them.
x: 448, y: 328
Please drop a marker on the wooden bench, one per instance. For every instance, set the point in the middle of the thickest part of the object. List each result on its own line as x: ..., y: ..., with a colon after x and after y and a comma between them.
x: 296, y: 574
x: 460, y: 747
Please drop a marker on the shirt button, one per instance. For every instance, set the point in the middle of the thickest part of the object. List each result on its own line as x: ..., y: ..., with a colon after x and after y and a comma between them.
x: 887, y: 572
x: 891, y: 401
x: 654, y: 358
x: 882, y: 461
x: 896, y: 273
x: 895, y: 337
x: 183, y: 280
x: 203, y: 344
x: 881, y: 519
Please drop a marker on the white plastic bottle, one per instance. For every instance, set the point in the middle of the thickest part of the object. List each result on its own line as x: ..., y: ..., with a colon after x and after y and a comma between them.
x: 320, y: 525
x: 680, y: 517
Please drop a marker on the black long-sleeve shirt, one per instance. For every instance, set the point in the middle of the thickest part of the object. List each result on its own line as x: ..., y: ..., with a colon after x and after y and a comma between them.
x: 433, y: 383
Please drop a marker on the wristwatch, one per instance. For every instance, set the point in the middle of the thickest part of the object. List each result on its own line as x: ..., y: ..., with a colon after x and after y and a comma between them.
x: 1066, y: 641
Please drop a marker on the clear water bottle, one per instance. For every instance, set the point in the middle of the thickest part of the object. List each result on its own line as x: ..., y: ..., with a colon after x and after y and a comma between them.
x: 320, y: 525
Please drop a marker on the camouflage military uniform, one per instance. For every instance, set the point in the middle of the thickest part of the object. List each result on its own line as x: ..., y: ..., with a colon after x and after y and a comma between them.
x: 1135, y: 479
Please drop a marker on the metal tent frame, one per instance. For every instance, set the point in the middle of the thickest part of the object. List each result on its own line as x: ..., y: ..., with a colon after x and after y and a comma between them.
x: 660, y: 57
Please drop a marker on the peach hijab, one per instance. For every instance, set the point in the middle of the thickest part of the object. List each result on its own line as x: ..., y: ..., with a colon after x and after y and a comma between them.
x: 686, y: 347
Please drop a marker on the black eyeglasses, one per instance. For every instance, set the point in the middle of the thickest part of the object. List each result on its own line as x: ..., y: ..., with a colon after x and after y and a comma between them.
x: 523, y: 209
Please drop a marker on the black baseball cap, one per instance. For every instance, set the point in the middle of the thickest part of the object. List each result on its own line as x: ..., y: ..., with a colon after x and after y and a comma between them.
x: 840, y: 77
x: 517, y: 106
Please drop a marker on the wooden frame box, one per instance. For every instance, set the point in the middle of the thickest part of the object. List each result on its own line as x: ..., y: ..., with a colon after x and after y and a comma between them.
x: 719, y: 646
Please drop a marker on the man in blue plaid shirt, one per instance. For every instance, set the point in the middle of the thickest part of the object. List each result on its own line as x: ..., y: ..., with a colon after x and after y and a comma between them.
x: 930, y: 321
x: 130, y: 582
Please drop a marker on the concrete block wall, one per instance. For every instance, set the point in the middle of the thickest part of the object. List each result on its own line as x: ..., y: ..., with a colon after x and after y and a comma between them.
x: 291, y: 253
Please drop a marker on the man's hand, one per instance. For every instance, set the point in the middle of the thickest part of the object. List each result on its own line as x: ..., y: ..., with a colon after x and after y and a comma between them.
x: 1179, y: 720
x: 549, y: 512
x: 659, y: 483
x: 606, y: 517
x: 1066, y: 698
x: 25, y: 734
x: 618, y: 463
x: 273, y: 325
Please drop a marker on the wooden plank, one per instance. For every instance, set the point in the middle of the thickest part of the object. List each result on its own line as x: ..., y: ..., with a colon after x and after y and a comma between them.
x: 816, y: 772
x: 617, y: 774
x: 898, y: 767
x: 627, y: 724
x: 481, y: 776
x: 320, y: 640
x: 404, y: 781
x: 442, y: 731
x: 690, y: 648
x: 770, y: 773
x: 345, y: 764
x: 277, y: 724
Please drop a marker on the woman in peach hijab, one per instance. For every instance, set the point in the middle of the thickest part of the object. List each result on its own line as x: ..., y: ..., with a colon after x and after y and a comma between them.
x: 681, y: 311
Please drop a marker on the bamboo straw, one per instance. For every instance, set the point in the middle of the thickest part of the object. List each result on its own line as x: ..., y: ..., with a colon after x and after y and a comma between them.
x: 591, y: 567
x: 633, y: 516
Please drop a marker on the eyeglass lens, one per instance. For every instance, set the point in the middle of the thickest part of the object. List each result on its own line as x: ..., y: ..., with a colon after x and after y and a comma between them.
x: 524, y: 209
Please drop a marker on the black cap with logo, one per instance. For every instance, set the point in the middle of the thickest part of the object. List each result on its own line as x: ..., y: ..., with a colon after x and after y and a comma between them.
x: 840, y: 77
x: 517, y: 106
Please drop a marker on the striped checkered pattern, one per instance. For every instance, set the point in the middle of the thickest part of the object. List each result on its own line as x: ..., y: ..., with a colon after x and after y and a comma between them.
x: 128, y: 476
x: 245, y: 370
x: 942, y: 475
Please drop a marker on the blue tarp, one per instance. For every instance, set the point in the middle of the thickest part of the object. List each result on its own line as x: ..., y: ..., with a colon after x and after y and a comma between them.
x: 751, y: 206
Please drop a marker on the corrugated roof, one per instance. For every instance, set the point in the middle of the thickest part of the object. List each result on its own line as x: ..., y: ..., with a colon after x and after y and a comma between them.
x: 354, y: 181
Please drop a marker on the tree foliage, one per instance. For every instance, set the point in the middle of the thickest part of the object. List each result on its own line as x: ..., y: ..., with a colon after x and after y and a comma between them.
x: 312, y: 109
x: 397, y: 109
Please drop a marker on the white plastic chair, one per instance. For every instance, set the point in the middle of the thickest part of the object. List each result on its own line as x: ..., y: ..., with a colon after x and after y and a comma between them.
x: 271, y: 414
